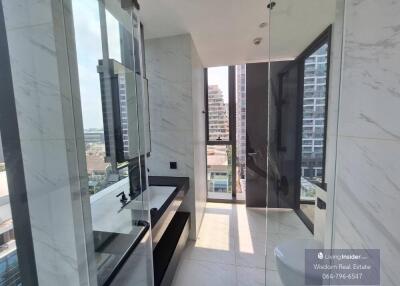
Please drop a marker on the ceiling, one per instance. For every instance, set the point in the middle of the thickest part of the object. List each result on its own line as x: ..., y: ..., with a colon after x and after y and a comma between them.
x: 223, y: 30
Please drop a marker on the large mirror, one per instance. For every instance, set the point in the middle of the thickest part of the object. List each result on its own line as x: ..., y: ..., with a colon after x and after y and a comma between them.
x: 111, y: 92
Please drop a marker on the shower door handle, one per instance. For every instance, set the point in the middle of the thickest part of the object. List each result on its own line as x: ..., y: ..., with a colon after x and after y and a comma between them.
x: 252, y: 153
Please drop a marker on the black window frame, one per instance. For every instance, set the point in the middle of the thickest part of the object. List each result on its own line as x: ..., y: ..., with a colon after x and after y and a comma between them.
x: 232, y: 126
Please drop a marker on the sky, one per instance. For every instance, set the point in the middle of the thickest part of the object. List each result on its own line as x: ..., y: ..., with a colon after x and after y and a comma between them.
x: 219, y: 76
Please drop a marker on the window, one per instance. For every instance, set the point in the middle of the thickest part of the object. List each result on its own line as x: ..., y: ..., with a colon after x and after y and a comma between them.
x: 308, y: 101
x: 226, y: 132
x: 314, y: 61
x: 313, y: 130
x: 218, y: 104
x: 219, y: 169
x: 9, y: 270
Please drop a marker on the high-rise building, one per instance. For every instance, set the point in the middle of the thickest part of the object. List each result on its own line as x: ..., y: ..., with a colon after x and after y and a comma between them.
x: 241, y: 119
x: 9, y: 270
x: 218, y: 120
x: 123, y: 113
x: 94, y: 136
x: 314, y: 114
x: 218, y: 156
x: 240, y: 131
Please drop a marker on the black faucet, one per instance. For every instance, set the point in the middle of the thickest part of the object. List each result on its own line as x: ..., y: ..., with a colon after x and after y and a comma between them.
x: 123, y: 197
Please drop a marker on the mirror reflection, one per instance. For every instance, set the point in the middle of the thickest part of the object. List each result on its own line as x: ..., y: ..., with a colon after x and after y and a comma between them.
x: 111, y: 94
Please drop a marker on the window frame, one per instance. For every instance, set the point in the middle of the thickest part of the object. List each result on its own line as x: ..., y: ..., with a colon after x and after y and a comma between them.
x: 323, y: 38
x: 232, y: 126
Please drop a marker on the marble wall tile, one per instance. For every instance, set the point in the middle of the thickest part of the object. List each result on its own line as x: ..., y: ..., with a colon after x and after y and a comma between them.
x: 169, y: 105
x: 199, y: 137
x: 366, y: 183
x: 170, y: 146
x: 333, y: 113
x: 176, y: 92
x: 169, y: 58
x: 371, y: 70
x: 32, y: 12
x: 367, y: 196
x: 320, y: 217
x: 34, y: 69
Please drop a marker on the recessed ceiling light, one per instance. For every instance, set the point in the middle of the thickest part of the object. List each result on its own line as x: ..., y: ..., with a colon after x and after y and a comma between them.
x: 257, y: 41
x: 263, y: 25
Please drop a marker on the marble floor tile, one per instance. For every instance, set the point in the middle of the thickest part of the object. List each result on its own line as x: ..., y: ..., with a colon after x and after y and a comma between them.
x: 271, y: 261
x: 200, y: 273
x: 194, y: 252
x: 247, y: 276
x: 272, y: 278
x: 232, y: 245
x: 256, y: 260
x: 250, y: 250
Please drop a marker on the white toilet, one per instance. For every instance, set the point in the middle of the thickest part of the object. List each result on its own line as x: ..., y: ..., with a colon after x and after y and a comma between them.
x: 290, y: 260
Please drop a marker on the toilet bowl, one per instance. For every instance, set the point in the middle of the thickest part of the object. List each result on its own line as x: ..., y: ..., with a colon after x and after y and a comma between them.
x: 290, y: 260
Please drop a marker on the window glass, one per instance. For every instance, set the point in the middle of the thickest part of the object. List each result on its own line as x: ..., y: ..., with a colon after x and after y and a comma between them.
x: 313, y: 121
x: 219, y: 171
x: 9, y: 270
x: 218, y: 104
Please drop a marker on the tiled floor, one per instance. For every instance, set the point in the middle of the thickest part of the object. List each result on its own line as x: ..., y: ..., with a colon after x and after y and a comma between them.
x: 282, y: 225
x: 230, y: 249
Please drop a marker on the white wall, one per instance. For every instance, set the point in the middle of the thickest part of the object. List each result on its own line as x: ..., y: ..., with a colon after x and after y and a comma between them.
x: 176, y: 92
x: 366, y: 184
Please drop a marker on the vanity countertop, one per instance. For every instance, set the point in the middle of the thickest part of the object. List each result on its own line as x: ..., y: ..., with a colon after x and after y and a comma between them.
x: 108, y: 215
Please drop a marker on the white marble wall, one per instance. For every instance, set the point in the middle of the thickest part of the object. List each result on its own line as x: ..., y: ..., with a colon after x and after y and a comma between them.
x: 177, y: 127
x: 320, y: 216
x: 45, y: 103
x: 333, y: 113
x: 199, y: 138
x: 367, y: 181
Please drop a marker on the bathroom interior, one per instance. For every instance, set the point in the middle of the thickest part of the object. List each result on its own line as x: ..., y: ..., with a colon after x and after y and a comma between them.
x: 195, y: 143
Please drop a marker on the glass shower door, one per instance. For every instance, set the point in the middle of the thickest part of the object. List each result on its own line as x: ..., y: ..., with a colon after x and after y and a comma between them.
x: 296, y: 113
